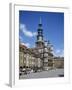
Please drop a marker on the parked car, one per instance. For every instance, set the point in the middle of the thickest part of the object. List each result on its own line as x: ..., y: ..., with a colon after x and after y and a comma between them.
x: 23, y: 71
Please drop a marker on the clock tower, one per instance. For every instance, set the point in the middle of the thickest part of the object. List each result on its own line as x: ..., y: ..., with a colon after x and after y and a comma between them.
x: 40, y: 41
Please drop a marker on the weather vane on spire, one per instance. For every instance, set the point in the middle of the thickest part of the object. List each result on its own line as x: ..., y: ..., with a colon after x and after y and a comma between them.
x: 40, y: 20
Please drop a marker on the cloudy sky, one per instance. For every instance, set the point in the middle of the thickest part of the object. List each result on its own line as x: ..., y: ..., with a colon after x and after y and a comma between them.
x: 53, y: 29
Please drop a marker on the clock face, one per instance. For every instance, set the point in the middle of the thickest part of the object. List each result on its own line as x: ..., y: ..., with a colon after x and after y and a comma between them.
x: 40, y: 38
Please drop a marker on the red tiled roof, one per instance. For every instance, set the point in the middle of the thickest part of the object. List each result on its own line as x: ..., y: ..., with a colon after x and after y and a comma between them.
x: 23, y: 46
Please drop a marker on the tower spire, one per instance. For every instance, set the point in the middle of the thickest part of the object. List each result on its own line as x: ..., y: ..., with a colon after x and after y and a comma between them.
x: 40, y: 41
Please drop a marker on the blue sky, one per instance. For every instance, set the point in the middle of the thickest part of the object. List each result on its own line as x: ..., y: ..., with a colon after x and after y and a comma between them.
x: 53, y: 28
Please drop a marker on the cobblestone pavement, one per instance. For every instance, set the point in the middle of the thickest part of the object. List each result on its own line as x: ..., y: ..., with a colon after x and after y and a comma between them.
x: 44, y: 74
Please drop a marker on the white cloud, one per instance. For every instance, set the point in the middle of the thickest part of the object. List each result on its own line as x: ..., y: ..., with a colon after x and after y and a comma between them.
x: 59, y: 52
x: 21, y: 41
x: 62, y: 53
x: 26, y: 32
x: 20, y: 38
x: 26, y: 44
